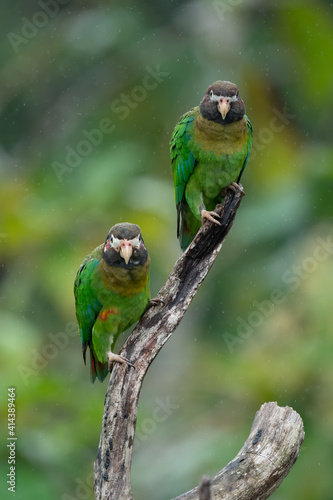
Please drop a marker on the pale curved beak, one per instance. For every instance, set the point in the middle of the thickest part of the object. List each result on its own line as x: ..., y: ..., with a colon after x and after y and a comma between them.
x: 223, y: 106
x: 126, y: 250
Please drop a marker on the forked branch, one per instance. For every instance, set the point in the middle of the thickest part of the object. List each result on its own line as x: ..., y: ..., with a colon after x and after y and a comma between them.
x: 113, y: 462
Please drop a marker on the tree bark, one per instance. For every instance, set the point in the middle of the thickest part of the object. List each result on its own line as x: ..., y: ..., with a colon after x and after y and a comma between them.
x: 265, y: 460
x: 113, y: 462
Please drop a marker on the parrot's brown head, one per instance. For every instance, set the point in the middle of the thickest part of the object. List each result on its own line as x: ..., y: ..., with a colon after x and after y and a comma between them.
x: 222, y: 103
x: 124, y: 246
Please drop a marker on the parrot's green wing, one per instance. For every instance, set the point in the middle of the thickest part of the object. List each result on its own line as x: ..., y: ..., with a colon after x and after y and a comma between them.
x: 87, y: 305
x: 182, y: 159
x: 249, y: 146
x: 87, y: 308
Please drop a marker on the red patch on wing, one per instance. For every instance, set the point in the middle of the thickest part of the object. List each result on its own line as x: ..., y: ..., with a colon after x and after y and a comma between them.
x: 103, y: 315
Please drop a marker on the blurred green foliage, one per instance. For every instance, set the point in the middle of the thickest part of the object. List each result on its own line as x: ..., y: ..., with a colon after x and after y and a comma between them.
x: 259, y: 329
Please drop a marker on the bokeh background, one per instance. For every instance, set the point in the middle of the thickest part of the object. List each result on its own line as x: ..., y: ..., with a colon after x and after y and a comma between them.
x: 90, y: 93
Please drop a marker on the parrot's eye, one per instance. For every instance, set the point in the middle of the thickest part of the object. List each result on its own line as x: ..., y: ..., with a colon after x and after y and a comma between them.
x: 214, y: 97
x: 136, y: 241
x: 115, y: 242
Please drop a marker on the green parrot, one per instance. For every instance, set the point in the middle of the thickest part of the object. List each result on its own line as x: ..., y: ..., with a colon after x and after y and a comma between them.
x: 111, y: 292
x: 209, y: 148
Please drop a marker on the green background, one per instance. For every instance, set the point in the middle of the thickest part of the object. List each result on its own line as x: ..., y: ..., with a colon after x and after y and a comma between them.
x: 260, y: 327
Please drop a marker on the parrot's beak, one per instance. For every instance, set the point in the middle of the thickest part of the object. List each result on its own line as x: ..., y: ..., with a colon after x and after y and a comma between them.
x: 223, y: 106
x: 126, y: 250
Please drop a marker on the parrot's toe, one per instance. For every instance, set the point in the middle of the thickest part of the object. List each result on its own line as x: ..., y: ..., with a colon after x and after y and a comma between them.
x: 236, y: 188
x: 205, y: 215
x: 156, y: 302
x: 112, y: 357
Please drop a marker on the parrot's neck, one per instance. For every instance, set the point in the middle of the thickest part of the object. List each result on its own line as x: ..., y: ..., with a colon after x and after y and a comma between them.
x: 123, y: 281
x: 226, y: 138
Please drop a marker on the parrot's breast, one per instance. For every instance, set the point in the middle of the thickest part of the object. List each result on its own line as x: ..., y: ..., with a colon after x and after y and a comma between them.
x: 217, y: 139
x: 123, y: 281
x: 220, y: 152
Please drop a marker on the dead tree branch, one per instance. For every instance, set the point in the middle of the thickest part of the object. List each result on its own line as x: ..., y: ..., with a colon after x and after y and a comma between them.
x: 265, y: 460
x: 113, y: 462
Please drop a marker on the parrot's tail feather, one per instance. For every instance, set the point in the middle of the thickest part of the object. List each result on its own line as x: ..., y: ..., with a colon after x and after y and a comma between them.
x: 97, y: 369
x: 92, y: 367
x: 185, y: 239
x: 84, y: 350
x: 189, y: 226
x: 179, y: 217
x: 184, y: 234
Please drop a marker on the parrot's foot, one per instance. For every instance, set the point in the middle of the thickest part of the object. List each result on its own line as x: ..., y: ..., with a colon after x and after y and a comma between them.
x: 205, y: 215
x: 118, y: 359
x: 236, y: 188
x: 156, y: 302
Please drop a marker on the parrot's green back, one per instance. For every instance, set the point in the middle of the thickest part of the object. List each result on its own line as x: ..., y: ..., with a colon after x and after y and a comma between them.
x: 107, y: 301
x: 206, y: 157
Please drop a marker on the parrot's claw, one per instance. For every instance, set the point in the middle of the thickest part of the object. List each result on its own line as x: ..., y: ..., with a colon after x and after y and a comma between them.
x: 205, y: 215
x: 236, y: 188
x: 118, y: 359
x: 156, y: 302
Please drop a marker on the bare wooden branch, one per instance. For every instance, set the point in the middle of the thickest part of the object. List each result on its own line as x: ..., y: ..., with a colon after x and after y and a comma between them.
x: 205, y: 490
x: 265, y: 460
x: 113, y: 462
x: 112, y: 465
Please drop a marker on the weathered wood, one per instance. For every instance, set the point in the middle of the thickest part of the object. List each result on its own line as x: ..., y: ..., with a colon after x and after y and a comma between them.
x: 113, y: 462
x: 265, y: 460
x: 112, y: 465
x: 205, y: 490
